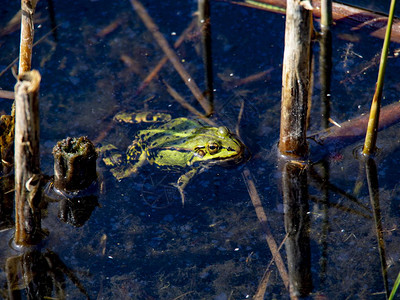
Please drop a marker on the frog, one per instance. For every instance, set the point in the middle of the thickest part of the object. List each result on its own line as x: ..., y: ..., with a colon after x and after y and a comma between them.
x: 178, y: 145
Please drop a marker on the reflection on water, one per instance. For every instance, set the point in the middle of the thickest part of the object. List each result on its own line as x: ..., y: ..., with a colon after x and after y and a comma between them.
x: 139, y: 242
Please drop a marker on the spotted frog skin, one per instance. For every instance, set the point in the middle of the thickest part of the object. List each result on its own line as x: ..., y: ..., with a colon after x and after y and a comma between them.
x: 181, y: 144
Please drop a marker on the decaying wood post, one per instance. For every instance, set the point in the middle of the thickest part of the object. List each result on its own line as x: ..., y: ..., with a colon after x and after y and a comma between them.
x: 296, y: 78
x: 75, y: 181
x: 74, y: 164
x: 26, y: 158
x: 27, y: 32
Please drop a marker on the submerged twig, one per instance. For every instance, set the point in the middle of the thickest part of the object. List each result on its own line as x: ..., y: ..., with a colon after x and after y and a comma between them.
x: 373, y: 189
x: 259, y: 295
x: 262, y: 217
x: 170, y: 53
x: 356, y: 18
x: 353, y: 130
x: 162, y: 62
x: 36, y: 43
x: 340, y: 207
x: 318, y: 179
x: 7, y: 94
x: 240, y: 115
x: 186, y: 105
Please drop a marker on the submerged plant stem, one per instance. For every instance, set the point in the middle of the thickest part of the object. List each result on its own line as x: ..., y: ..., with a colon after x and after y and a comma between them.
x: 162, y: 62
x: 170, y: 53
x: 262, y: 217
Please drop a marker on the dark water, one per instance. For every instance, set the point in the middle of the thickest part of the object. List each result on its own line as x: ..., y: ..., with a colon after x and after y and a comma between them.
x: 139, y: 242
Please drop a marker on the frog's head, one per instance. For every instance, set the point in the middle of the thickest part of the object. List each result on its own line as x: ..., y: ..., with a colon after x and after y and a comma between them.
x: 217, y: 145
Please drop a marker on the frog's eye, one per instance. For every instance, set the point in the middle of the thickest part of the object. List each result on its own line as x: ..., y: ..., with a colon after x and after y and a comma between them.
x: 212, y: 147
x: 223, y: 131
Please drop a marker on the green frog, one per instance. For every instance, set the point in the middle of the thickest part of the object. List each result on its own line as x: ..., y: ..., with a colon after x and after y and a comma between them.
x: 178, y: 144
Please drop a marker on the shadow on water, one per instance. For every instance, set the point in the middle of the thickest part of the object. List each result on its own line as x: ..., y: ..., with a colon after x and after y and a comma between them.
x: 338, y: 227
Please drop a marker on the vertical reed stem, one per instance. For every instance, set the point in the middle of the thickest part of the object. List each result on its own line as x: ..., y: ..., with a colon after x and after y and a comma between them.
x: 26, y: 157
x: 373, y: 123
x: 326, y: 13
x: 27, y: 32
x: 205, y: 29
x: 296, y: 79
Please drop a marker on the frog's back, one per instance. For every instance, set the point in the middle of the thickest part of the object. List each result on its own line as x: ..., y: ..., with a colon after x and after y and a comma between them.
x: 169, y: 132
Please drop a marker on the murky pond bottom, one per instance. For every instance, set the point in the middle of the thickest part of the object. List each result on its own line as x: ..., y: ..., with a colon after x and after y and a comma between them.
x: 139, y: 242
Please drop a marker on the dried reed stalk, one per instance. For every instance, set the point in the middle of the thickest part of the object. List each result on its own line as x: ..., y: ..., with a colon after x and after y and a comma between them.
x: 162, y: 62
x: 296, y: 79
x: 170, y: 53
x: 262, y: 217
x: 26, y: 158
x: 27, y: 32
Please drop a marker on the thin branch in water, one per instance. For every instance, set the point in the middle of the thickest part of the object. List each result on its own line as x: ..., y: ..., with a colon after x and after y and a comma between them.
x: 262, y: 217
x: 259, y: 295
x: 162, y: 62
x: 36, y: 43
x: 170, y: 53
x: 237, y: 130
x: 341, y: 207
x: 7, y: 94
x: 318, y: 179
x: 186, y: 105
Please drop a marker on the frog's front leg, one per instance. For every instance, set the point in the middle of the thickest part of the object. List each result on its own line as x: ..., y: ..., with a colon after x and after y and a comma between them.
x: 121, y: 171
x: 185, y: 179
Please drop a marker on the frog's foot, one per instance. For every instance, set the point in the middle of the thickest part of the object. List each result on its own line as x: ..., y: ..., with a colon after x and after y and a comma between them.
x: 142, y: 117
x: 121, y: 172
x: 183, y: 182
x: 110, y: 155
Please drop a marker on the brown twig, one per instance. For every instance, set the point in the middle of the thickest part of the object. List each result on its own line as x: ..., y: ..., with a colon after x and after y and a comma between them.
x: 36, y: 43
x: 12, y: 25
x: 262, y: 217
x: 262, y: 287
x: 170, y: 53
x: 355, y: 129
x: 355, y: 17
x: 186, y: 105
x: 7, y: 94
x: 162, y: 62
